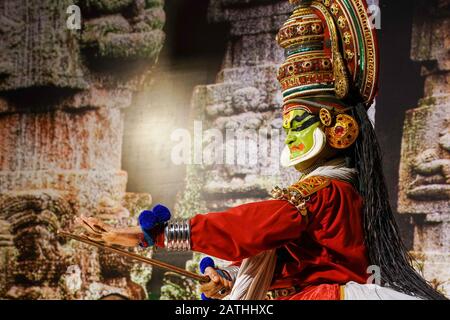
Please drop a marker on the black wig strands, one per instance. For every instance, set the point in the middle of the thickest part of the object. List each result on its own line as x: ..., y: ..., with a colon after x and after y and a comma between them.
x: 384, y: 245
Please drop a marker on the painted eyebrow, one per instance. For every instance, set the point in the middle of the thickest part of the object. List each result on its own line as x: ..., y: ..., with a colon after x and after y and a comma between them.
x: 300, y: 118
x: 308, y: 123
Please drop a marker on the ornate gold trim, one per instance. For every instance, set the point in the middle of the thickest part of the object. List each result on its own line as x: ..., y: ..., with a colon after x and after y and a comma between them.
x: 342, y: 83
x: 299, y: 193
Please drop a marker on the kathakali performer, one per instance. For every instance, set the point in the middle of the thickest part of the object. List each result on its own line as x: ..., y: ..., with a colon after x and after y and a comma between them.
x: 317, y: 238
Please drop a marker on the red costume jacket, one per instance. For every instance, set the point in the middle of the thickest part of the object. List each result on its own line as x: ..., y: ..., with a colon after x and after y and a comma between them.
x: 317, y: 254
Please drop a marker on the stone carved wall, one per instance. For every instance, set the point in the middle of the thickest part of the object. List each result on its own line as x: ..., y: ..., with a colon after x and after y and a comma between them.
x: 246, y: 99
x: 246, y: 96
x: 424, y: 188
x: 61, y: 128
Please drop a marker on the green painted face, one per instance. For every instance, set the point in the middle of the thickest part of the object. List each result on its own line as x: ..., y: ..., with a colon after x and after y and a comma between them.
x: 299, y: 126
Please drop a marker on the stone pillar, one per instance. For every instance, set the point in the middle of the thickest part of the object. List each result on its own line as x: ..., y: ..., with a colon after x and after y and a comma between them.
x: 243, y: 106
x: 61, y: 129
x: 424, y: 190
x: 237, y: 138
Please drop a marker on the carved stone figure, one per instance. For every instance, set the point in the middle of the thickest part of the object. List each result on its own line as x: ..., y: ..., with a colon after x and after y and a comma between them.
x: 424, y: 188
x: 432, y: 169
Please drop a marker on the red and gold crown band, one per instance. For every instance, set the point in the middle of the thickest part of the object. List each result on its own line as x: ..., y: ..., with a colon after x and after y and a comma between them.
x: 303, y: 27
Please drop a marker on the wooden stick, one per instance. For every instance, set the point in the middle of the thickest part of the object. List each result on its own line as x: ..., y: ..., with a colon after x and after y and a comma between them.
x: 137, y: 257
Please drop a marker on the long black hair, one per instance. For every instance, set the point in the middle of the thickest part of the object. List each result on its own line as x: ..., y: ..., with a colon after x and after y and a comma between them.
x: 382, y: 238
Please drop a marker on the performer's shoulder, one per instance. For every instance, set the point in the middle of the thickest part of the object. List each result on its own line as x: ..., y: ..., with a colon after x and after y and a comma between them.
x: 309, y: 186
x: 314, y: 190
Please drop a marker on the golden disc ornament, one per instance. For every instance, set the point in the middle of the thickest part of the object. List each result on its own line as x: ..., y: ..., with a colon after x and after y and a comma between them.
x: 344, y: 133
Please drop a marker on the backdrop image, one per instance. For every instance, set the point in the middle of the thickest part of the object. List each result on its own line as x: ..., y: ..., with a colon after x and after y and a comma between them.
x: 108, y: 108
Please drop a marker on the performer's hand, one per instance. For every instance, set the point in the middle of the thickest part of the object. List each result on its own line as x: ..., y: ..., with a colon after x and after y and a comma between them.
x: 100, y: 231
x: 218, y: 287
x: 220, y: 284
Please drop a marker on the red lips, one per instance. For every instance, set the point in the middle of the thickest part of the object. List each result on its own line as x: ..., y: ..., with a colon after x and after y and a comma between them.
x: 298, y: 148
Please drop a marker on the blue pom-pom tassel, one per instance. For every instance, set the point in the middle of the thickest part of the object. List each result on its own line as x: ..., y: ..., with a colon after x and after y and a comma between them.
x: 162, y: 213
x: 148, y: 219
x: 205, y: 298
x: 205, y: 263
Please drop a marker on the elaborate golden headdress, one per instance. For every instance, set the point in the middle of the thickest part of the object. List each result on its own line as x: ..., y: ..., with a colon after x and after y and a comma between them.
x: 331, y: 52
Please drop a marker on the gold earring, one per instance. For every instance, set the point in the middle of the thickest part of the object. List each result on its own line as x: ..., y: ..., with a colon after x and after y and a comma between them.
x: 344, y: 132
